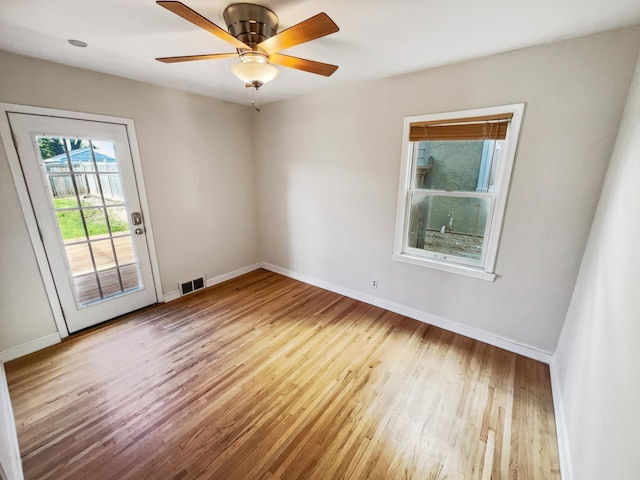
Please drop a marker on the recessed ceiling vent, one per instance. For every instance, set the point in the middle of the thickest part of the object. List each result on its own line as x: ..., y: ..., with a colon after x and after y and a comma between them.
x: 190, y: 286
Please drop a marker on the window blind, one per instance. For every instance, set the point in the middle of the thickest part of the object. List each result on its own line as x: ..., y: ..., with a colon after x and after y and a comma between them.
x: 490, y: 127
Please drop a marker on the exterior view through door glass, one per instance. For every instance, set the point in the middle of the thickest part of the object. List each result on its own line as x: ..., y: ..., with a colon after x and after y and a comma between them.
x: 82, y: 185
x: 91, y: 210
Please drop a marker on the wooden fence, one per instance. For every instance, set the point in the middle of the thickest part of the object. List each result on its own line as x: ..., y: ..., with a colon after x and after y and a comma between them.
x: 87, y: 183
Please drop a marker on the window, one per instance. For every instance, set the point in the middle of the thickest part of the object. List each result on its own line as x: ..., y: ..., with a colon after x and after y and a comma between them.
x: 454, y: 181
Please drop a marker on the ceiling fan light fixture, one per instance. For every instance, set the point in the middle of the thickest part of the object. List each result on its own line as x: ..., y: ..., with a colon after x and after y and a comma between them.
x: 254, y: 69
x: 253, y: 31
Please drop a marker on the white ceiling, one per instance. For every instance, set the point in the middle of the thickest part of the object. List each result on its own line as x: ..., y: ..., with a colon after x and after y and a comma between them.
x: 376, y: 39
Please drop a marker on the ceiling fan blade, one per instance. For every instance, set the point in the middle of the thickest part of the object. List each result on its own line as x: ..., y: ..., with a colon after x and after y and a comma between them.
x: 190, y: 58
x: 310, y: 66
x: 312, y: 28
x: 194, y: 17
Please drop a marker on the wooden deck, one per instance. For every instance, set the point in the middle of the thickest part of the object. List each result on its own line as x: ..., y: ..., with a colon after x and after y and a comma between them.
x: 80, y: 259
x: 264, y: 377
x: 81, y: 265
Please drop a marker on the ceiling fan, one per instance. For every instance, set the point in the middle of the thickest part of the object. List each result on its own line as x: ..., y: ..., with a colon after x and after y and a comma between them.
x: 252, y: 30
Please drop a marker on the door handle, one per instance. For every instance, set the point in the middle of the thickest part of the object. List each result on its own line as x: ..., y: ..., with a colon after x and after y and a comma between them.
x: 136, y: 218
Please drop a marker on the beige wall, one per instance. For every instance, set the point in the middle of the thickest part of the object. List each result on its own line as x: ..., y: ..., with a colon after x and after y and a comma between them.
x: 326, y: 172
x: 597, y: 357
x: 198, y: 176
x: 328, y: 169
x: 25, y: 314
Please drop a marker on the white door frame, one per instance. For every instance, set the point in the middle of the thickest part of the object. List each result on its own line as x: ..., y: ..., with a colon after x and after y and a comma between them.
x: 29, y: 214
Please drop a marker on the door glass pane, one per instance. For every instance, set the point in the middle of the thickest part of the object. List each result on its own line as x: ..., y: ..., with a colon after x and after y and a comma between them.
x: 79, y: 258
x: 118, y: 219
x: 86, y: 288
x: 53, y: 153
x: 62, y: 187
x: 130, y: 276
x: 448, y: 225
x: 110, y: 282
x: 70, y: 224
x: 81, y: 161
x: 124, y: 250
x: 85, y: 184
x: 112, y: 188
x: 103, y: 254
x: 86, y: 191
x: 96, y: 221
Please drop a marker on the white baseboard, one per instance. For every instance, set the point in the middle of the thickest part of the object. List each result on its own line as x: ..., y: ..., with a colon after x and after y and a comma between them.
x: 419, y: 315
x: 476, y: 334
x: 236, y: 273
x: 171, y: 296
x: 566, y: 470
x: 29, y: 347
x: 10, y: 463
x: 210, y: 282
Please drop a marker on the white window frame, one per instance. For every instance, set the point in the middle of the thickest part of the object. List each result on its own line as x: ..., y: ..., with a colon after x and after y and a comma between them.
x: 483, y: 269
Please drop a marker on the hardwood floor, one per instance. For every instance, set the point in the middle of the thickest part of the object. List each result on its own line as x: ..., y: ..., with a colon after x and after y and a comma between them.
x: 264, y: 377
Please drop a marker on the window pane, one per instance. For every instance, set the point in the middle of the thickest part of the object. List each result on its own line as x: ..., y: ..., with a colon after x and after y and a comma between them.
x: 448, y: 225
x: 463, y: 166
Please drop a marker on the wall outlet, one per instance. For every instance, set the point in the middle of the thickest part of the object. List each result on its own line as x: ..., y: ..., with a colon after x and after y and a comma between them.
x: 374, y: 283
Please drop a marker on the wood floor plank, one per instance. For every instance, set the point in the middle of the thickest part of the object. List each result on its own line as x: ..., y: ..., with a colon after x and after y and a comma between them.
x: 264, y: 377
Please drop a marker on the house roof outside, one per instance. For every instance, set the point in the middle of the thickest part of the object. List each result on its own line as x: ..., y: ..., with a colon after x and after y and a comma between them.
x: 80, y: 155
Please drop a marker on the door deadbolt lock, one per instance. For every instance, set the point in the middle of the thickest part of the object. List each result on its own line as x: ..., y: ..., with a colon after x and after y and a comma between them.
x: 139, y: 231
x: 136, y: 218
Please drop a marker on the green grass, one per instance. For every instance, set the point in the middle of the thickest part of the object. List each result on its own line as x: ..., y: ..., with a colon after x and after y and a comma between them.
x: 68, y: 202
x: 71, y: 223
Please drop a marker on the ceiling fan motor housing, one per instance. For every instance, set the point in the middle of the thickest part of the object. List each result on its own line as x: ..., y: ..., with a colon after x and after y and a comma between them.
x: 250, y: 23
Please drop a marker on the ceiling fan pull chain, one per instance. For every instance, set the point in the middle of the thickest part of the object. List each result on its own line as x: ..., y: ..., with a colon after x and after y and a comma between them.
x: 255, y: 104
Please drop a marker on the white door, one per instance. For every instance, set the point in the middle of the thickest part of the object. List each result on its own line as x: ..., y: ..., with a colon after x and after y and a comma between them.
x: 82, y: 186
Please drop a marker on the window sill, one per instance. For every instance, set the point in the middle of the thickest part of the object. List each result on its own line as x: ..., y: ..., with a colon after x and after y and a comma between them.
x: 445, y: 267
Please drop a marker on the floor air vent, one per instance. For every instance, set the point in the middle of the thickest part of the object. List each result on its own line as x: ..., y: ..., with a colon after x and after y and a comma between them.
x: 191, y: 286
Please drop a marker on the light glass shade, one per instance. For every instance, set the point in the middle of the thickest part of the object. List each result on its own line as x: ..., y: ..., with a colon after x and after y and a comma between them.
x: 253, y: 70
